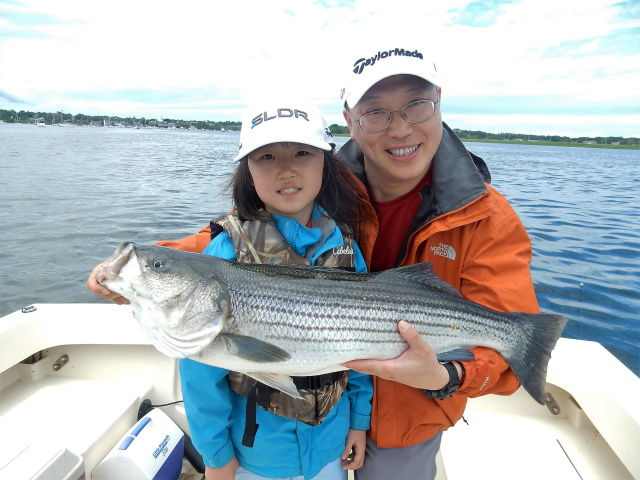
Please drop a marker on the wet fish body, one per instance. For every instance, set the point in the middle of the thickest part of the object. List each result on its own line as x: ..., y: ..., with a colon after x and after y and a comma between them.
x: 274, y: 321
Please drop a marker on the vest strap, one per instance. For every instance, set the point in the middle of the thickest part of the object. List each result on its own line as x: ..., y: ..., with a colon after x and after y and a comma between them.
x: 318, y: 381
x: 258, y: 394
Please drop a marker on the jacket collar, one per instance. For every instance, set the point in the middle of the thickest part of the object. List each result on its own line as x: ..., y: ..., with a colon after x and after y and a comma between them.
x: 459, y: 176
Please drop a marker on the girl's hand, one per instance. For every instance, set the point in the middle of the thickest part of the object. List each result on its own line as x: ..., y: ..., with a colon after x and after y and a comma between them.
x: 353, y: 454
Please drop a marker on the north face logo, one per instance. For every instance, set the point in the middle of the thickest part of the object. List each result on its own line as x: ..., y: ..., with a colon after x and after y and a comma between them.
x: 444, y: 250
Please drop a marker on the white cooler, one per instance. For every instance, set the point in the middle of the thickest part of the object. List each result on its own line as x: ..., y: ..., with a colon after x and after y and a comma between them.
x: 153, y: 449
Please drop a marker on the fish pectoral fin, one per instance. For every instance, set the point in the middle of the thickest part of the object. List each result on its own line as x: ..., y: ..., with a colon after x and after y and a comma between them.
x: 460, y: 354
x: 284, y: 383
x: 253, y: 349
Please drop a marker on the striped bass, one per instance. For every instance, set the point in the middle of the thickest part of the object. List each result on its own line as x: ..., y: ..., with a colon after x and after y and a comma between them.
x: 271, y: 322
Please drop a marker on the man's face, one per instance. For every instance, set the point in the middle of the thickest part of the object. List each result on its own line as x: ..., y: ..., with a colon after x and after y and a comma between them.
x: 397, y: 158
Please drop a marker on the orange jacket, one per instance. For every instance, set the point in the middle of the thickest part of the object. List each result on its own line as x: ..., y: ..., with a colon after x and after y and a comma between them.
x: 478, y: 245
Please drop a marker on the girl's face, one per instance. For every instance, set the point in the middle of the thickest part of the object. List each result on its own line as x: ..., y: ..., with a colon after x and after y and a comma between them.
x: 287, y: 178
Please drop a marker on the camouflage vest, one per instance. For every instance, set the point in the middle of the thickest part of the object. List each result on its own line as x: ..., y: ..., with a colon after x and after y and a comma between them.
x: 261, y: 242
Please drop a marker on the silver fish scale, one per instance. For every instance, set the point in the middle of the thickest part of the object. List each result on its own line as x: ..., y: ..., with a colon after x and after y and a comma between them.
x: 312, y: 313
x: 295, y: 320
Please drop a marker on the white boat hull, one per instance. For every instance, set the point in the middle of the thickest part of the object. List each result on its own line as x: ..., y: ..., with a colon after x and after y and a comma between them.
x: 91, y: 401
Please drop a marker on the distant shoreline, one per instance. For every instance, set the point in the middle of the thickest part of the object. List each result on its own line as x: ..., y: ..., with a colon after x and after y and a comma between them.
x: 231, y: 126
x: 529, y: 142
x: 554, y: 144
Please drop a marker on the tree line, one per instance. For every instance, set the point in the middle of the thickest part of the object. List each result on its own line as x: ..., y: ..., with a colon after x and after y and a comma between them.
x: 50, y: 118
x: 479, y: 135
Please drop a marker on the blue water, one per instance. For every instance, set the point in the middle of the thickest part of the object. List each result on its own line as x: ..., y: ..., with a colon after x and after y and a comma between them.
x: 580, y: 208
x: 69, y: 196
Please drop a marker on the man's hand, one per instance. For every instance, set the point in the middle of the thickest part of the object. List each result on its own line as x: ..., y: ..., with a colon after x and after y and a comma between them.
x: 417, y: 367
x: 353, y: 454
x: 95, y: 287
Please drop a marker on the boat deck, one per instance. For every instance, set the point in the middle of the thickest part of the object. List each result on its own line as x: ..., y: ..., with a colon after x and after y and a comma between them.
x: 587, y: 431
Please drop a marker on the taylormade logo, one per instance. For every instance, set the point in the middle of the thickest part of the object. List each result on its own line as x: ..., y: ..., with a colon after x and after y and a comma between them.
x: 280, y: 113
x: 398, y: 52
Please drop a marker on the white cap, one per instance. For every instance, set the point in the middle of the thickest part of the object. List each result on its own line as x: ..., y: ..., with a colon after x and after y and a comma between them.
x: 375, y: 65
x: 283, y: 119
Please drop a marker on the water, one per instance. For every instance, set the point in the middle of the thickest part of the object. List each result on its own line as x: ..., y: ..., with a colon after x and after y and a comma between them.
x: 69, y: 196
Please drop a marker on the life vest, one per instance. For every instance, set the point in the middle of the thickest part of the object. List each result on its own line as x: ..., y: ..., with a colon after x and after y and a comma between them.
x: 260, y: 241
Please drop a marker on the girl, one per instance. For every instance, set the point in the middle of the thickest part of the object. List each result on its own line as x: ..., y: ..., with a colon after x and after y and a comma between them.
x: 292, y: 206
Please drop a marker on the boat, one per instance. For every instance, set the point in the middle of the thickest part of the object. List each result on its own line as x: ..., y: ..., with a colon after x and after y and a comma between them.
x: 77, y: 379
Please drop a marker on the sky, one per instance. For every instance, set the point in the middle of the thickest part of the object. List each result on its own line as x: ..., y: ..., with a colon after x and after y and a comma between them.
x: 561, y: 67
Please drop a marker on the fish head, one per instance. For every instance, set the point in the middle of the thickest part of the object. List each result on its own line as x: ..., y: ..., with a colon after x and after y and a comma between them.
x: 179, y: 302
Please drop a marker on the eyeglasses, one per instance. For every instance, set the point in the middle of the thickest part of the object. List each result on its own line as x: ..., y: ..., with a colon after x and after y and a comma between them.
x: 418, y: 111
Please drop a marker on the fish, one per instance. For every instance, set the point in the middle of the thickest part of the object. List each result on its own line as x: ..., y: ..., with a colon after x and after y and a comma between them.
x: 274, y: 321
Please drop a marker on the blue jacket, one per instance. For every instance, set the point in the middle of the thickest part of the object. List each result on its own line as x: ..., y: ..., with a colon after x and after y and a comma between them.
x: 283, y: 447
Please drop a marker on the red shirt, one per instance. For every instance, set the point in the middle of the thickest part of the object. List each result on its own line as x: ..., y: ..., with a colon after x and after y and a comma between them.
x: 394, y: 220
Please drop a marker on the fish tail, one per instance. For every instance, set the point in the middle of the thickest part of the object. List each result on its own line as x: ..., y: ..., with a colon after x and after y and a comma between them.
x: 530, y: 359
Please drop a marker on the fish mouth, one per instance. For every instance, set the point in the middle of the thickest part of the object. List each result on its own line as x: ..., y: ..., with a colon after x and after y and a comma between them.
x: 111, y: 269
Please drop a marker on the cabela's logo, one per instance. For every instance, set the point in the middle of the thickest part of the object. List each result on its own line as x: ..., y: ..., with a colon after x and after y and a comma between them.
x: 398, y: 52
x: 280, y: 113
x: 343, y: 250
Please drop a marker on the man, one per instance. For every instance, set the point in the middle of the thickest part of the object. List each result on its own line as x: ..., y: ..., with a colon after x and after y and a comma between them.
x: 424, y: 197
x: 432, y: 202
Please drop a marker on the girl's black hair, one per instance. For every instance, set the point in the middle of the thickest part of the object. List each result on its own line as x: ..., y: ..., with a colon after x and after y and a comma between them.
x: 336, y: 196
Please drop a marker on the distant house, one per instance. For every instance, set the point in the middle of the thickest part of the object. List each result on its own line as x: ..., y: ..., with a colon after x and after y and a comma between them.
x: 589, y: 142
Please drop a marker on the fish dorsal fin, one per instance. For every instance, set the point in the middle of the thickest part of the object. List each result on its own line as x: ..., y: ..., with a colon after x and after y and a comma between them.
x: 253, y: 349
x: 423, y: 274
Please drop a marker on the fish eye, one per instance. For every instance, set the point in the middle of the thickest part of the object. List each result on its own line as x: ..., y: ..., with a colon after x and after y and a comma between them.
x: 158, y: 262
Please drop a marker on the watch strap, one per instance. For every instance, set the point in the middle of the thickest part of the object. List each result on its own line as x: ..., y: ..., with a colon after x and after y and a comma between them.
x: 450, y: 388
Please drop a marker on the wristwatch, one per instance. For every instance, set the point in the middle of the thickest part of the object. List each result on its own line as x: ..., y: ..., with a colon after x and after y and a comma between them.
x: 450, y: 388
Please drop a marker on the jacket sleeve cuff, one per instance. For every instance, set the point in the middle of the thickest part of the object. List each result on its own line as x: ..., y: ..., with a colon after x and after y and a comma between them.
x: 360, y: 422
x: 221, y: 458
x: 488, y: 373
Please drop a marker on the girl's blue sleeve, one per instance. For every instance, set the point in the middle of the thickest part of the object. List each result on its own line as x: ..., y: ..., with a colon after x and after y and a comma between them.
x: 359, y: 385
x: 221, y: 246
x: 360, y: 392
x: 206, y: 393
x: 207, y: 402
x: 360, y: 265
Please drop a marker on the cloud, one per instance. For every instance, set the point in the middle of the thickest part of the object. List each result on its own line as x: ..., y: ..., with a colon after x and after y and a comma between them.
x: 207, y: 58
x: 11, y: 98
